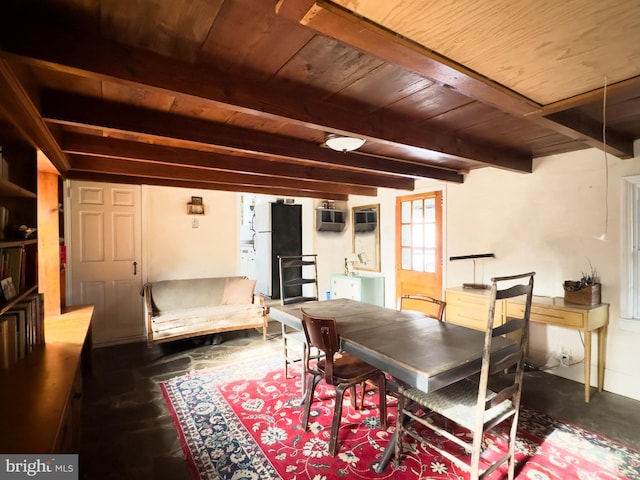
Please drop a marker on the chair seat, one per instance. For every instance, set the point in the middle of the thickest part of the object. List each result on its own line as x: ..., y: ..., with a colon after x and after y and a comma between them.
x: 458, y: 402
x: 347, y: 367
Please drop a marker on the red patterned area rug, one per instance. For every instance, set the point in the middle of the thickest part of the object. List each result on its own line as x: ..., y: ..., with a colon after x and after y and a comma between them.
x: 243, y: 422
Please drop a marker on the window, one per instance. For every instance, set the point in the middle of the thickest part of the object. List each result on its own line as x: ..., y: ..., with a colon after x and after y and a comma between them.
x: 419, y: 235
x: 630, y: 305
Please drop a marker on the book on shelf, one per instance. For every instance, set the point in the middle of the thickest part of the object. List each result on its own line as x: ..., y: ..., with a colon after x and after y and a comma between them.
x: 29, y: 323
x: 5, y: 358
x: 8, y: 340
x: 28, y: 318
x: 13, y: 338
x: 37, y: 302
x: 21, y: 331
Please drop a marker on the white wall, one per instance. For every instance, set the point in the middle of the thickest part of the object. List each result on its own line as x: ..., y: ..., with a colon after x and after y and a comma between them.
x: 548, y: 222
x: 172, y: 249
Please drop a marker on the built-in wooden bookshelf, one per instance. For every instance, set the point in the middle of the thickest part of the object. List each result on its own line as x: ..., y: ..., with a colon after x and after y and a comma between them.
x: 42, y: 388
x: 18, y: 201
x: 18, y: 252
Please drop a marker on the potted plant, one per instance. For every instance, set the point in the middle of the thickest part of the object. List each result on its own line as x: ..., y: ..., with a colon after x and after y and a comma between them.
x: 585, y: 291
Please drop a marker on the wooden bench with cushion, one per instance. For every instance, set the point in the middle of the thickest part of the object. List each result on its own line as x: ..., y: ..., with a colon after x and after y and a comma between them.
x: 186, y: 308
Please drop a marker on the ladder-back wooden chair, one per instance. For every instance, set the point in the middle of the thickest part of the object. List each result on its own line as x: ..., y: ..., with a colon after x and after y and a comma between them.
x: 342, y: 371
x: 298, y: 276
x: 431, y: 307
x: 469, y: 403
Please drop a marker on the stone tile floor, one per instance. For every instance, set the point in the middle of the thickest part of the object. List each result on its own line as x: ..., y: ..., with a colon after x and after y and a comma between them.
x: 128, y: 433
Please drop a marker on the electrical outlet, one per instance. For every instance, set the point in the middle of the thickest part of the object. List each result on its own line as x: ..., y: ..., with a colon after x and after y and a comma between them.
x: 195, y: 223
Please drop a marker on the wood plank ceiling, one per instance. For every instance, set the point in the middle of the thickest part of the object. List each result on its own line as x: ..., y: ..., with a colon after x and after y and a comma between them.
x: 239, y: 94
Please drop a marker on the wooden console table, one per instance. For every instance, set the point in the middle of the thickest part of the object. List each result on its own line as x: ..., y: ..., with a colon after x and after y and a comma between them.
x: 41, y: 395
x: 468, y: 307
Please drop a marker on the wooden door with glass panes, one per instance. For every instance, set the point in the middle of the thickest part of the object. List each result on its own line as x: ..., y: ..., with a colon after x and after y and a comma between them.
x: 419, y: 246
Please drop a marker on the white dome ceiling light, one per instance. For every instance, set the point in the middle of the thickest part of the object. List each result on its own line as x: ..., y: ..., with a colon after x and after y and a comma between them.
x: 343, y: 143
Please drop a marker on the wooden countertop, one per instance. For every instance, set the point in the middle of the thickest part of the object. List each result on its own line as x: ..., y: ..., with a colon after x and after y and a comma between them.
x: 538, y: 300
x: 34, y: 392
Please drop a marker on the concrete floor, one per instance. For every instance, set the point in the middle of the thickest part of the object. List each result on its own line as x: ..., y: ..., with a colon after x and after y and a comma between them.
x: 128, y: 433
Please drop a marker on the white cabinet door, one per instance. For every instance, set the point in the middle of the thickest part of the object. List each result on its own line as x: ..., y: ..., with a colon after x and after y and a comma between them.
x: 345, y: 287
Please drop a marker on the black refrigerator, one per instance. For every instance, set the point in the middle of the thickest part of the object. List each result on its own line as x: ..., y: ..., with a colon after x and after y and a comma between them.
x: 278, y: 229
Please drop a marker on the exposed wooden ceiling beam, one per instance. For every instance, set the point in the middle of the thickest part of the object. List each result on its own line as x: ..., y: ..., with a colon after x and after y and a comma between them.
x: 265, y: 190
x: 580, y: 126
x: 125, y: 149
x: 618, y: 91
x: 241, y: 181
x: 346, y: 26
x: 84, y: 111
x: 18, y: 106
x: 98, y: 59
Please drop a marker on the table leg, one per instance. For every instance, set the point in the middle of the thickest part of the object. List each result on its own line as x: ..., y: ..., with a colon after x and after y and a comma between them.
x: 587, y: 365
x: 602, y: 345
x: 386, y: 456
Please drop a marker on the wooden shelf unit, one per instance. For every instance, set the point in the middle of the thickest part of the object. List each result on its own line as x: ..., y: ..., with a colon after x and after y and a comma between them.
x: 295, y: 272
x: 330, y: 220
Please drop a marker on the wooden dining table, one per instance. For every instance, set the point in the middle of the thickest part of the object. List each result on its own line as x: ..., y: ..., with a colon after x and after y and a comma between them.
x: 417, y: 350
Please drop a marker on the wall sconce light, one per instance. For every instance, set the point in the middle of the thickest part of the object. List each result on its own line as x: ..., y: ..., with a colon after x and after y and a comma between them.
x: 343, y: 143
x: 195, y: 207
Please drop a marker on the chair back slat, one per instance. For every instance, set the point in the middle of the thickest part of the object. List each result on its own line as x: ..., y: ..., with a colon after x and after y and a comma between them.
x: 510, y: 326
x: 506, y: 393
x: 512, y: 292
x: 504, y: 363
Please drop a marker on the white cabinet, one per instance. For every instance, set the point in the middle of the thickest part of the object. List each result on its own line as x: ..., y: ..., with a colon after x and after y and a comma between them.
x: 368, y: 289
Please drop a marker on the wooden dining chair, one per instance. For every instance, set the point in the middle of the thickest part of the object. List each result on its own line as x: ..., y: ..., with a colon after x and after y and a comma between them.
x: 339, y: 369
x: 430, y: 306
x: 469, y: 403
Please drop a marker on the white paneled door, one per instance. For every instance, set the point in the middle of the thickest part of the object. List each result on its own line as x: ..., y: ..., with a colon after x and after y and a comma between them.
x: 104, y: 261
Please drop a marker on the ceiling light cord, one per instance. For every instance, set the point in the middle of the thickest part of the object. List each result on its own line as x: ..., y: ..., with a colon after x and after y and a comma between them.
x: 606, y: 161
